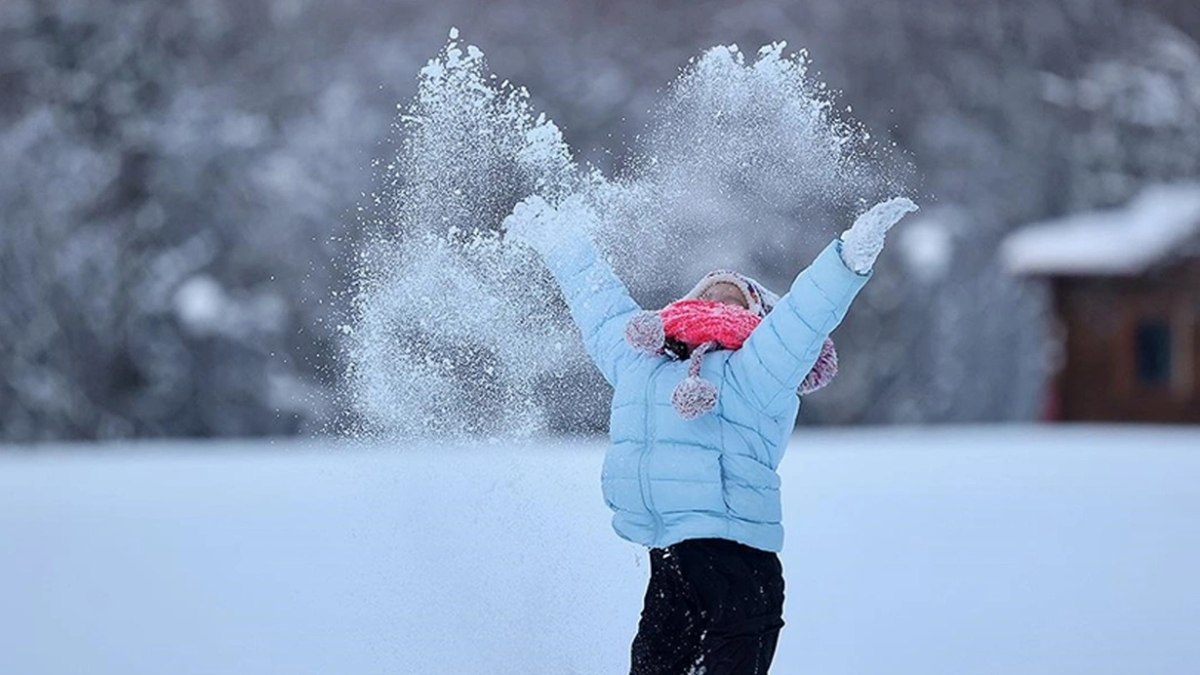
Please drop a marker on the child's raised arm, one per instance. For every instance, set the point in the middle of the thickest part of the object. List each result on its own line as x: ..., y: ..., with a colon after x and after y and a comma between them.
x: 599, y: 302
x: 783, y: 348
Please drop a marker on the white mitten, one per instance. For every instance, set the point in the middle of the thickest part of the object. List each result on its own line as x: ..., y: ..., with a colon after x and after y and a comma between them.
x: 546, y: 228
x: 528, y: 222
x: 862, y: 243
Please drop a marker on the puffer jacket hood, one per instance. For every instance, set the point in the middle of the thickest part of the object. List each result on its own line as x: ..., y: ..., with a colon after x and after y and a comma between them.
x: 759, y: 298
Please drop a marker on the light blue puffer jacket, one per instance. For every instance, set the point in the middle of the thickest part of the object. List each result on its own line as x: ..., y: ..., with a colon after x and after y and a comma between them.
x: 666, y: 478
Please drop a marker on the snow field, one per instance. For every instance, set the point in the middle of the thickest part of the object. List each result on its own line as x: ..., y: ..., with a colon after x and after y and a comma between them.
x: 1013, y: 550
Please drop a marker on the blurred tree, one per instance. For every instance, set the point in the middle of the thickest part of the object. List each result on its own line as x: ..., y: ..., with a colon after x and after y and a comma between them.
x: 180, y: 179
x: 154, y: 248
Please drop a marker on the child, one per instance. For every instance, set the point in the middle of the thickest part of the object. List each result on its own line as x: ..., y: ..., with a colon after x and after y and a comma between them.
x: 705, y: 399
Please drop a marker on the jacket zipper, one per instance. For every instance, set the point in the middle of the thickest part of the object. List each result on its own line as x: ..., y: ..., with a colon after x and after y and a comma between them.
x: 643, y: 478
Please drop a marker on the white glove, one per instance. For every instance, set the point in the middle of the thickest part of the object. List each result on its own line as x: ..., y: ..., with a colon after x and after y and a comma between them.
x: 862, y: 243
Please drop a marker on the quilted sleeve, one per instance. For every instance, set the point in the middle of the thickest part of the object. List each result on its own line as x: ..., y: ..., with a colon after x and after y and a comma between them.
x: 783, y: 348
x: 599, y: 302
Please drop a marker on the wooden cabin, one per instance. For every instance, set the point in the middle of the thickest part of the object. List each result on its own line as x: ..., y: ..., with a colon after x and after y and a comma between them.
x: 1126, y: 296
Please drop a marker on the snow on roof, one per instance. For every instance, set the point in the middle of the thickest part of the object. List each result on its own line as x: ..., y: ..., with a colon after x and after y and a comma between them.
x: 1121, y: 241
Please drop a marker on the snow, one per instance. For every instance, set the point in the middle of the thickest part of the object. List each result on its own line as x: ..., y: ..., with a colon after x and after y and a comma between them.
x: 740, y: 153
x: 1007, y: 551
x: 199, y: 303
x: 205, y: 308
x: 927, y: 243
x: 862, y: 243
x: 1120, y: 241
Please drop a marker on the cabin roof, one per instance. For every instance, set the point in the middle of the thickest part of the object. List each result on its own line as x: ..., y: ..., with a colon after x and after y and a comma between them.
x: 1123, y: 241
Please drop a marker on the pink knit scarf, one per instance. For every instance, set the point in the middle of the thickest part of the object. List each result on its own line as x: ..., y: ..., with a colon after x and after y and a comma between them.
x: 694, y: 322
x: 697, y: 327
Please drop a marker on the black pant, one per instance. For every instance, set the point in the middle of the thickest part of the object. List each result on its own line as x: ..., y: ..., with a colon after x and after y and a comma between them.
x: 713, y: 607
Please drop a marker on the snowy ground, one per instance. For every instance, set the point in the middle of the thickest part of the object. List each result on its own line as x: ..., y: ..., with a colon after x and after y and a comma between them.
x: 1012, y: 551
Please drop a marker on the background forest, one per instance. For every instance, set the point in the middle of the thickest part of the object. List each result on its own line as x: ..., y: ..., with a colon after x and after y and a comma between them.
x: 179, y: 182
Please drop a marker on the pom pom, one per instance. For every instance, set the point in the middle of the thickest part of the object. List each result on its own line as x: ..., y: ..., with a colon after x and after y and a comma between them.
x: 645, y: 332
x: 693, y: 397
x: 823, y: 371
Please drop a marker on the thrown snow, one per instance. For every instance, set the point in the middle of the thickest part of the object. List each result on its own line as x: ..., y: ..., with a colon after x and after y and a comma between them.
x: 1121, y: 241
x: 1005, y: 551
x: 455, y: 332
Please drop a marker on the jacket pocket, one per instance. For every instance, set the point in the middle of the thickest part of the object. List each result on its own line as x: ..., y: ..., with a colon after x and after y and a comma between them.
x: 685, y: 479
x: 751, y: 489
x: 619, y: 479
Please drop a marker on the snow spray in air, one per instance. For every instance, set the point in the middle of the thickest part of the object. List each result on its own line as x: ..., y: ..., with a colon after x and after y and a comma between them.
x: 454, y: 332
